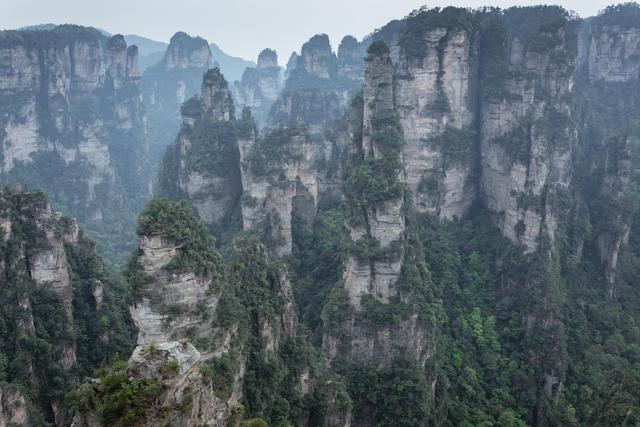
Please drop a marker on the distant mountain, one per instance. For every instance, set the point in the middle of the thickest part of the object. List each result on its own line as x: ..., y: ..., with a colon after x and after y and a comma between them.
x: 50, y: 26
x: 231, y: 66
x: 150, y: 52
x: 146, y: 45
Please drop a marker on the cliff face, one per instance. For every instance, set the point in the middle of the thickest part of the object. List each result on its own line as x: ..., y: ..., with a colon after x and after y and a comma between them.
x: 530, y: 122
x: 381, y: 257
x: 350, y: 55
x: 279, y: 184
x: 170, y: 82
x: 260, y: 86
x: 13, y: 408
x: 186, y: 52
x: 173, y: 305
x: 436, y: 103
x: 178, y: 285
x: 383, y: 222
x: 536, y: 165
x: 203, y: 164
x: 316, y: 93
x: 204, y: 330
x: 53, y: 286
x: 72, y: 122
x: 231, y: 175
x: 609, y: 74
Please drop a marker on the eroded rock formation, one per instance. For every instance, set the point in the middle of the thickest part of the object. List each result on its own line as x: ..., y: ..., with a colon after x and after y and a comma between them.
x: 169, y: 83
x: 260, y: 86
x: 72, y: 123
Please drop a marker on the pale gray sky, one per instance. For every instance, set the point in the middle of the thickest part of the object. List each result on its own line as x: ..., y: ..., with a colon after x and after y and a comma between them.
x: 241, y: 27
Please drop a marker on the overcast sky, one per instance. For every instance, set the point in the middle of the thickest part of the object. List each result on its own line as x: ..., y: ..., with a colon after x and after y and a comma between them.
x: 240, y: 27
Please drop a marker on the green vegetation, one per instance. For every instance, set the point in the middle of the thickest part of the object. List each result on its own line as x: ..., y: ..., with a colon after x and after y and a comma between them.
x: 192, y: 107
x: 625, y: 15
x: 214, y: 148
x: 271, y: 378
x: 396, y: 395
x: 106, y: 209
x: 246, y: 126
x: 423, y: 20
x: 119, y: 400
x: 378, y: 48
x: 505, y: 338
x: 60, y: 36
x: 457, y: 145
x: 268, y: 153
x: 35, y: 327
x: 177, y: 222
x: 370, y: 180
x: 517, y: 142
x: 542, y: 28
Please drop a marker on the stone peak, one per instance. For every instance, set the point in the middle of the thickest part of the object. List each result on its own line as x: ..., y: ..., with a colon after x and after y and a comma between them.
x: 216, y: 98
x: 378, y: 49
x: 117, y: 42
x: 293, y: 60
x: 348, y: 43
x: 185, y: 51
x: 187, y: 40
x: 317, y: 58
x: 268, y: 58
x: 317, y: 43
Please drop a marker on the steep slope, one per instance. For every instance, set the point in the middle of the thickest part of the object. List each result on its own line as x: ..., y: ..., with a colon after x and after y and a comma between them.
x: 279, y: 185
x: 316, y: 93
x: 73, y: 125
x: 62, y: 313
x: 381, y: 314
x: 260, y: 85
x: 203, y: 164
x: 608, y: 98
x: 461, y: 234
x: 215, y: 344
x: 513, y: 122
x: 170, y: 82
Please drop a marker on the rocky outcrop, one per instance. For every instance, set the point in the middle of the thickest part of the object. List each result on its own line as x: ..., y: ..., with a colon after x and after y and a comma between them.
x: 279, y: 184
x: 527, y: 135
x: 612, y: 52
x: 179, y: 287
x: 317, y: 91
x: 183, y: 391
x: 72, y: 122
x: 197, y: 339
x: 186, y: 52
x: 291, y: 63
x: 350, y: 55
x: 316, y: 57
x: 216, y: 98
x: 173, y: 302
x: 13, y: 408
x: 172, y: 305
x: 383, y: 222
x: 436, y: 103
x: 169, y: 83
x: 260, y: 86
x: 203, y: 164
x: 49, y: 269
x: 43, y: 260
x: 609, y: 72
x: 379, y: 255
